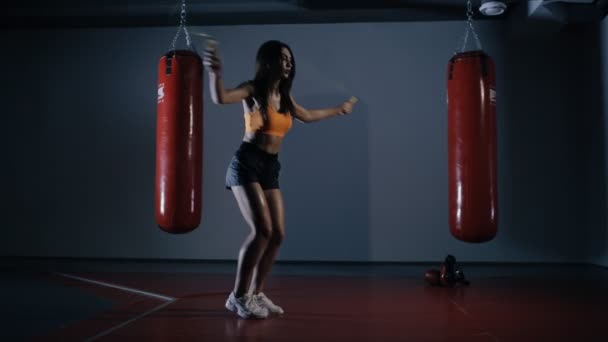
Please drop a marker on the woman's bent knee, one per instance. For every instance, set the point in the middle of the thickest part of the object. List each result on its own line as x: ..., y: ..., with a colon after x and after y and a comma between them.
x: 262, y: 231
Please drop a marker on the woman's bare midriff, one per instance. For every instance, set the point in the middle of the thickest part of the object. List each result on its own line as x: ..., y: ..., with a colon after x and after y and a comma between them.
x: 269, y: 143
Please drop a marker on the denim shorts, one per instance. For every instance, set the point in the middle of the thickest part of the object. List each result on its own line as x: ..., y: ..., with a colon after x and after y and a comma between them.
x: 250, y: 164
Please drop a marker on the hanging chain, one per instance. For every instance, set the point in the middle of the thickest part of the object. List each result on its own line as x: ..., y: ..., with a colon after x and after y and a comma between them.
x: 470, y: 27
x: 469, y: 10
x: 182, y: 26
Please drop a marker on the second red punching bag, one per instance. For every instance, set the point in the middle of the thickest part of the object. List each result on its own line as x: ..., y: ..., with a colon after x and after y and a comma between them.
x: 179, y: 142
x: 472, y: 147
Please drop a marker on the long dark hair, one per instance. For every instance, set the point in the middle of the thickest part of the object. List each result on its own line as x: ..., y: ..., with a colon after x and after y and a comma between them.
x: 268, y: 71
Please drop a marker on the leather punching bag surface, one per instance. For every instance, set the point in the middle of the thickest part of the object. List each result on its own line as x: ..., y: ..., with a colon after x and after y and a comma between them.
x: 472, y: 147
x: 179, y: 142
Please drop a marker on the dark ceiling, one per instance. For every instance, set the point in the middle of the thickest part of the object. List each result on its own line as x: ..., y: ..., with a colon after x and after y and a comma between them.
x: 116, y: 13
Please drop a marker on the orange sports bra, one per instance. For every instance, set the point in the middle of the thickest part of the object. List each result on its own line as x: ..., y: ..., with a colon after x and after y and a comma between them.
x: 277, y: 124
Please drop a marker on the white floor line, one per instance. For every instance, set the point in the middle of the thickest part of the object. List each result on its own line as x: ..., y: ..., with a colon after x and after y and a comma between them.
x: 461, y: 308
x: 118, y: 326
x: 168, y: 300
x: 488, y: 334
x: 123, y: 288
x: 484, y: 333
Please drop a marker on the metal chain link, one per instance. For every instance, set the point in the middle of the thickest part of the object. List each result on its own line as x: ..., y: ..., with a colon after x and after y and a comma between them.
x: 470, y: 28
x: 182, y: 26
x: 470, y: 10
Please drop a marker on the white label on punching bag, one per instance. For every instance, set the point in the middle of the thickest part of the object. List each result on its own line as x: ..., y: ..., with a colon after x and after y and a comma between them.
x: 492, y: 96
x: 161, y: 93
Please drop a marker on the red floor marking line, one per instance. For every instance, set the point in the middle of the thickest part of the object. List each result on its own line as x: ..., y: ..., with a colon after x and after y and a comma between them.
x: 168, y: 300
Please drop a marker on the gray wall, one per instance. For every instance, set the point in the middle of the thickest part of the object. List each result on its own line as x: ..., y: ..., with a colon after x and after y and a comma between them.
x: 599, y: 242
x: 80, y: 110
x: 591, y: 108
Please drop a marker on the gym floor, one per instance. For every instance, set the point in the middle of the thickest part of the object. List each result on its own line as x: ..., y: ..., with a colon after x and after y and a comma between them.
x: 118, y: 300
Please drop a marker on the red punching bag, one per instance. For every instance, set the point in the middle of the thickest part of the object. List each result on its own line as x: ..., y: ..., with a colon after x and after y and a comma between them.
x: 472, y: 147
x: 179, y: 141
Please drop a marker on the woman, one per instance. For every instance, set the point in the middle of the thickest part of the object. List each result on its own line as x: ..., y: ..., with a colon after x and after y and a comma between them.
x: 253, y: 173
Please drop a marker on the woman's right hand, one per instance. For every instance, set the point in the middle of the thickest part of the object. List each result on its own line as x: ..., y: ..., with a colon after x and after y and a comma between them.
x: 211, y: 59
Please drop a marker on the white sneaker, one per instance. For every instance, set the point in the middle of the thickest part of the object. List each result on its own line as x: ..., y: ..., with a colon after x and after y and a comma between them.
x: 264, y: 302
x: 245, y: 307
